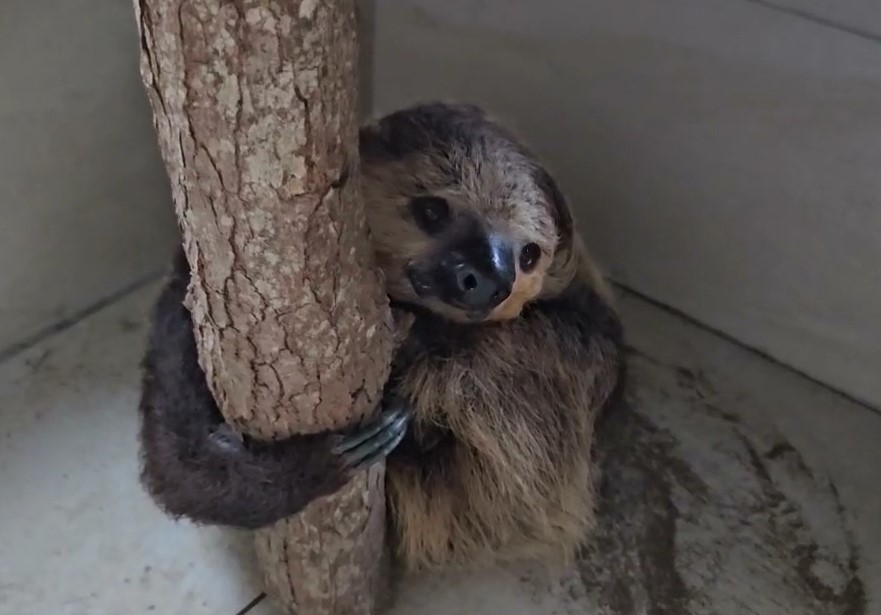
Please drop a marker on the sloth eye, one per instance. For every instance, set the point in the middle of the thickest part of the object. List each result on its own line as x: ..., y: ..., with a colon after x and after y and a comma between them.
x: 430, y: 212
x: 529, y: 256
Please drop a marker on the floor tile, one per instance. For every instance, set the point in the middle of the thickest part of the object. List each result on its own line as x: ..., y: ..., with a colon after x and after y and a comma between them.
x: 77, y: 534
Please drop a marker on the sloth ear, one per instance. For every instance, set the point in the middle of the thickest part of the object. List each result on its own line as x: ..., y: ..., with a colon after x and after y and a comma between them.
x: 557, y: 205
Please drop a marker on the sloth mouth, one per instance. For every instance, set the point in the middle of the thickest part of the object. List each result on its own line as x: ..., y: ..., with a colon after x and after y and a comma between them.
x: 424, y: 288
x: 477, y: 315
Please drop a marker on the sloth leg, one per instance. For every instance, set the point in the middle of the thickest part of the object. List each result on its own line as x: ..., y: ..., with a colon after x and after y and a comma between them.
x: 354, y: 449
x: 214, y: 475
x: 195, y: 465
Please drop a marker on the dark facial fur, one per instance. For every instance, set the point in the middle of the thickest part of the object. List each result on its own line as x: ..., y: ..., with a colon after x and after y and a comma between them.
x: 497, y: 462
x: 469, y: 269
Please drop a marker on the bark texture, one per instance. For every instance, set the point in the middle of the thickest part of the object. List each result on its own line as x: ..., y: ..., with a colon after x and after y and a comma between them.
x: 255, y: 106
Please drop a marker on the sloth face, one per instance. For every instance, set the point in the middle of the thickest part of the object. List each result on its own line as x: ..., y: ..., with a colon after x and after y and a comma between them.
x: 469, y: 265
x: 465, y: 222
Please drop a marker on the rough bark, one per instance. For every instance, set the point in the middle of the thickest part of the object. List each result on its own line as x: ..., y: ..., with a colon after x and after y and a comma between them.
x: 255, y: 105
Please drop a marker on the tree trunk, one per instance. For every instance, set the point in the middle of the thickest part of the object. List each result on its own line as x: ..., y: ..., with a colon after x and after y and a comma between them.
x: 255, y: 105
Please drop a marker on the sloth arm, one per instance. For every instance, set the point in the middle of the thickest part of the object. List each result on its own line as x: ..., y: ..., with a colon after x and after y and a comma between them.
x: 194, y: 465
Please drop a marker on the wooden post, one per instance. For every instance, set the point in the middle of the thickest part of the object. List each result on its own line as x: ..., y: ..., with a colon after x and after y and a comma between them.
x: 255, y: 106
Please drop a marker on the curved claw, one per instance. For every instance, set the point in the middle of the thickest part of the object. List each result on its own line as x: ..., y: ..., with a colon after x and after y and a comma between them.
x: 226, y: 439
x: 375, y: 441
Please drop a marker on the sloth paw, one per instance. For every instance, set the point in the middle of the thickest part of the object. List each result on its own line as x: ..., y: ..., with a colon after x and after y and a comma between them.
x: 373, y: 442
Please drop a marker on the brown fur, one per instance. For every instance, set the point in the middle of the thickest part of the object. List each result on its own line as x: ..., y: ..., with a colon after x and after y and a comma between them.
x: 520, y: 409
x: 515, y: 400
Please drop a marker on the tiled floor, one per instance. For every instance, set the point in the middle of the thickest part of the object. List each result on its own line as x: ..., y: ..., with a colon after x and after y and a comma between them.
x: 77, y: 535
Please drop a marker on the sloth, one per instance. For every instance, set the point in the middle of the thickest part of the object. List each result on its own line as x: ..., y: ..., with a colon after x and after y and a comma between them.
x: 488, y: 418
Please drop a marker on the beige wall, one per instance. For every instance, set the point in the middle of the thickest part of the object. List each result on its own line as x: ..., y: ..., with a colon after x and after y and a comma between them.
x: 723, y: 157
x: 84, y: 204
x: 861, y: 17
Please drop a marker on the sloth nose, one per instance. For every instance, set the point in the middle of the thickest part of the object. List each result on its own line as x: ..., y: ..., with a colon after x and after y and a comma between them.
x: 479, y: 290
x: 482, y: 283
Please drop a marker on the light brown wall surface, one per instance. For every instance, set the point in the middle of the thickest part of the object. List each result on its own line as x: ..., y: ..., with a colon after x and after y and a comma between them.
x: 84, y: 204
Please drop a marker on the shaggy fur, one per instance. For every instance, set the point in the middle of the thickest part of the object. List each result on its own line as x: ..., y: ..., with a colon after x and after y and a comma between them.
x: 505, y: 470
x: 497, y: 461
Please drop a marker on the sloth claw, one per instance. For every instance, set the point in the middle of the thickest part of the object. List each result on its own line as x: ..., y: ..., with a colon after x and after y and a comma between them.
x: 373, y: 442
x: 226, y: 439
